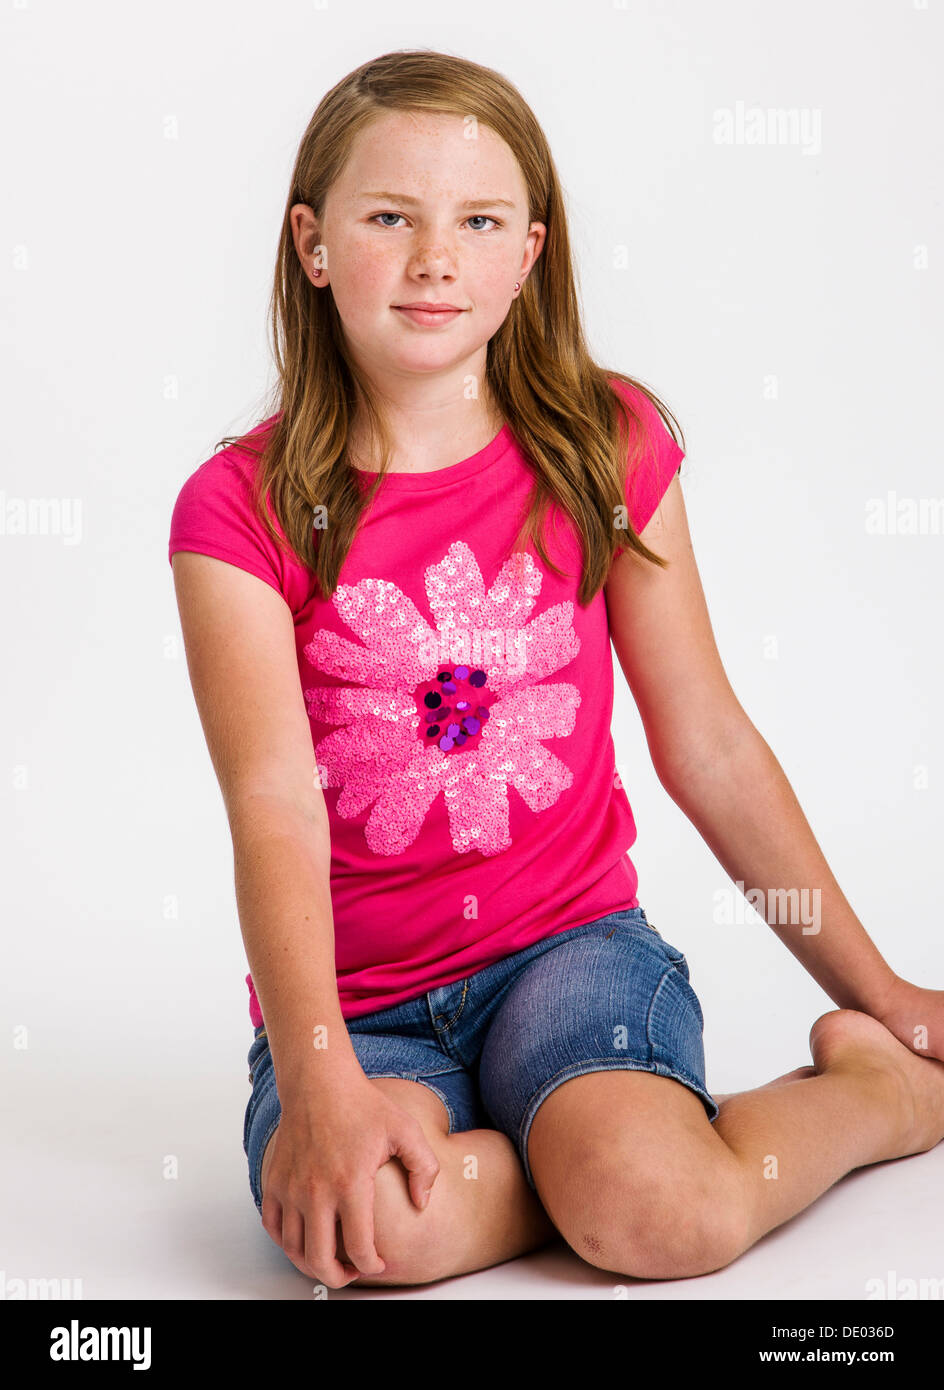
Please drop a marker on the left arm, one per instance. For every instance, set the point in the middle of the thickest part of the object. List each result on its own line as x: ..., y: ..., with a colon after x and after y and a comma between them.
x: 720, y: 771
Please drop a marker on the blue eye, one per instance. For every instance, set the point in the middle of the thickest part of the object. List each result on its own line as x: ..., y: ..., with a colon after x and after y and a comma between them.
x: 476, y: 217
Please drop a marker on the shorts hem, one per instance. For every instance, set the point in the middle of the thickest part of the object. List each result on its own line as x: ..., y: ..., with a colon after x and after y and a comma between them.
x: 603, y: 1064
x: 422, y: 1080
x: 255, y: 1182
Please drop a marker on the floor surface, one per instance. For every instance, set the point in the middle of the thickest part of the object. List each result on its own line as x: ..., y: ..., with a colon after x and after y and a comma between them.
x: 134, y: 1182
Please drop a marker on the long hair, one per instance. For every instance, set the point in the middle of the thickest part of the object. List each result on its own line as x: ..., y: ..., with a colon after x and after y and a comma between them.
x: 580, y: 437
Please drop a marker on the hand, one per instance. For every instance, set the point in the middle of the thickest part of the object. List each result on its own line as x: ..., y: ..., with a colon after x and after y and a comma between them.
x: 326, y: 1152
x: 916, y: 1017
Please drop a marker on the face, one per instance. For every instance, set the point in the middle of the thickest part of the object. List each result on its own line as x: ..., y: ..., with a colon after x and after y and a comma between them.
x: 422, y: 215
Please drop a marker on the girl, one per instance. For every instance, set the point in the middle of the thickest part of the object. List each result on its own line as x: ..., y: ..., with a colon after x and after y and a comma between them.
x: 453, y: 510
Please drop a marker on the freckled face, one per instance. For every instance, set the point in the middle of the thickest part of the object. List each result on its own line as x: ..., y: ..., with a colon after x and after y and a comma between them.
x: 384, y: 251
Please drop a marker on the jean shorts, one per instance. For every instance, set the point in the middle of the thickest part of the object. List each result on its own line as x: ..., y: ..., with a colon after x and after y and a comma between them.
x: 610, y: 995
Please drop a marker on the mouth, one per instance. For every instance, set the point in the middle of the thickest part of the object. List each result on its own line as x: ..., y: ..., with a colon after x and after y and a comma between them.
x: 432, y: 305
x: 428, y: 313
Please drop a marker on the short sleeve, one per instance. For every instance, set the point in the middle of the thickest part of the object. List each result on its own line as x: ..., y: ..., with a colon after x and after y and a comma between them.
x: 657, y: 465
x: 214, y: 515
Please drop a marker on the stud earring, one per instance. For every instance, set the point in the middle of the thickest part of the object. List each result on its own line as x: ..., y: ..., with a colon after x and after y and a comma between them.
x: 517, y: 286
x: 317, y: 272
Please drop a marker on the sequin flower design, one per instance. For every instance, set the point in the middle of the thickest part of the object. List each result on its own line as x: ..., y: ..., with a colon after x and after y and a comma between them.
x: 458, y: 706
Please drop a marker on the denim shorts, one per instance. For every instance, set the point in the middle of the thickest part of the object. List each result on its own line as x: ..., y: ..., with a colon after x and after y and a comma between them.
x: 610, y: 995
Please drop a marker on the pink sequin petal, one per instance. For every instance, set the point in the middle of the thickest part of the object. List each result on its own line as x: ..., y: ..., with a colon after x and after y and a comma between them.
x: 455, y: 589
x: 542, y: 779
x: 337, y: 656
x: 363, y: 759
x: 541, y: 711
x: 511, y: 597
x: 543, y: 647
x: 344, y: 704
x: 552, y: 641
x: 388, y: 623
x: 402, y: 806
x: 478, y: 818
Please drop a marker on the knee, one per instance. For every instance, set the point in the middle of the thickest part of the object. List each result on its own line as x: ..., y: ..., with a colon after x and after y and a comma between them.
x: 670, y: 1224
x: 410, y: 1242
x: 683, y: 1235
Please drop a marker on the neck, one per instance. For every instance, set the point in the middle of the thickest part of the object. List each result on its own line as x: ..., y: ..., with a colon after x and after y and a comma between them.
x: 422, y: 442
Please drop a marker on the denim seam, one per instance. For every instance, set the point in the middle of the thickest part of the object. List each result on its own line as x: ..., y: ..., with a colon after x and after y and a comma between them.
x: 445, y: 1026
x: 671, y: 953
x: 252, y: 1110
x: 652, y: 1004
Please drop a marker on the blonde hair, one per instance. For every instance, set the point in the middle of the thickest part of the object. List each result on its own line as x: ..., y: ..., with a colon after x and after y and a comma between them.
x: 580, y: 437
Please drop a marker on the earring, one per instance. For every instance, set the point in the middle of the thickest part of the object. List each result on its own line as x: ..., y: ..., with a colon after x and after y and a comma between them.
x: 317, y: 272
x: 517, y: 286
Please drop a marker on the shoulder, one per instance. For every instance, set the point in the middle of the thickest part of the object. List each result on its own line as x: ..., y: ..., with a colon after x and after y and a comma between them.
x: 216, y: 514
x: 654, y: 455
x: 643, y: 408
x: 229, y: 472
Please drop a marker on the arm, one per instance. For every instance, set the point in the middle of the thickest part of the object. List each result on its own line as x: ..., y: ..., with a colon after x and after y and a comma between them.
x: 239, y: 641
x: 720, y: 771
x: 336, y: 1127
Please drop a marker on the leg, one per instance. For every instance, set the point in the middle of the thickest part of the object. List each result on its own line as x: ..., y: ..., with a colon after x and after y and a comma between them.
x: 871, y: 1099
x: 662, y: 1193
x: 794, y: 1075
x: 481, y: 1211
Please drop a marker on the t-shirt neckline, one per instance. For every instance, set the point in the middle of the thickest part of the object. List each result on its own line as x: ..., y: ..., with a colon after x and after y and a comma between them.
x: 453, y: 473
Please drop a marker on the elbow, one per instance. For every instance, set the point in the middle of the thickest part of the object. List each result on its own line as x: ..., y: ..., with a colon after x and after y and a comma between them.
x: 694, y: 761
x: 260, y: 811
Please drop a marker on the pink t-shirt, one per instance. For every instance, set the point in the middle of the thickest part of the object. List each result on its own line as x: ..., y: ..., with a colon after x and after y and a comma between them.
x: 460, y: 705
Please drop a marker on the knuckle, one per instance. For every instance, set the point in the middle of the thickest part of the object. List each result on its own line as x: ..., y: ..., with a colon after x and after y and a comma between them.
x: 307, y: 1184
x: 408, y: 1240
x: 360, y: 1253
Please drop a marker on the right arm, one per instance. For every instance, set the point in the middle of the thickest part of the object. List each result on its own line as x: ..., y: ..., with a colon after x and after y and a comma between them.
x: 336, y: 1128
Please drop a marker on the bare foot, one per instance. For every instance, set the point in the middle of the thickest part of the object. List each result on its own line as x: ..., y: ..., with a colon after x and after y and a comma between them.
x: 846, y: 1040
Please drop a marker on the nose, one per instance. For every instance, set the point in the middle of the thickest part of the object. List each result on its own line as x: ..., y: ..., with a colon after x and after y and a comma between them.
x: 433, y: 260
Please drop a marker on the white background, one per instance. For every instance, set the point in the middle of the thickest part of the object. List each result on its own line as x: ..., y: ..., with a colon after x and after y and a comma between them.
x: 147, y: 156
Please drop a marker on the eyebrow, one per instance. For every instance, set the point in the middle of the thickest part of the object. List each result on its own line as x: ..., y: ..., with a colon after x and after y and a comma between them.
x: 416, y: 202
